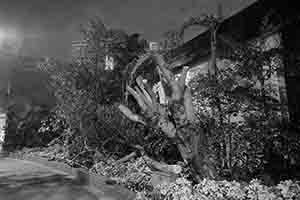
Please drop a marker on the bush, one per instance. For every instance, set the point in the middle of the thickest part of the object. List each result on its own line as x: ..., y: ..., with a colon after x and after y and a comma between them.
x: 135, y: 174
x: 22, y: 128
x: 182, y: 189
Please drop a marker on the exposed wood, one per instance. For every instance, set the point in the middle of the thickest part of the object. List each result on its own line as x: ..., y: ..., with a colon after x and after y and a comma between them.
x: 183, y: 76
x: 162, y: 167
x: 126, y: 158
x: 188, y: 105
x: 146, y: 93
x: 143, y: 97
x: 176, y: 120
x: 159, y: 89
x: 137, y: 97
x: 127, y: 112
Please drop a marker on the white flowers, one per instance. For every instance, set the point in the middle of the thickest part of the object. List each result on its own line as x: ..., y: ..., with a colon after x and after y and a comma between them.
x: 182, y: 189
x: 289, y: 190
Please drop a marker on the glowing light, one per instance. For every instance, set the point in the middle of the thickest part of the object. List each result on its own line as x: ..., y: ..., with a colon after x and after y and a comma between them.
x: 10, y: 41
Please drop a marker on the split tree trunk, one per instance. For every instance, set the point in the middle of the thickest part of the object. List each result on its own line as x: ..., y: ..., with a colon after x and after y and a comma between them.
x: 176, y: 119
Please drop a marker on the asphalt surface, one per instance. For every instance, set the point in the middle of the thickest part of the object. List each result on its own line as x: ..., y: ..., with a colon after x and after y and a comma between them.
x: 27, y: 180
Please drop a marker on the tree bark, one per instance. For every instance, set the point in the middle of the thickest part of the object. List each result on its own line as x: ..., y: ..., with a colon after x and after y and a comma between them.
x: 176, y: 119
x: 162, y: 167
x: 126, y: 158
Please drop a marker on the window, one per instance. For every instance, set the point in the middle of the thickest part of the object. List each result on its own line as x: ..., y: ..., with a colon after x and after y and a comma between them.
x: 109, y: 63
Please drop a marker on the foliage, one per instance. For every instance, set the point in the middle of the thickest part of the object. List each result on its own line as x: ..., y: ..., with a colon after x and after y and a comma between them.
x: 22, y: 128
x: 237, y: 109
x: 52, y: 125
x: 86, y: 91
x: 242, y: 110
x: 109, y: 133
x: 222, y: 190
x: 135, y: 174
x: 107, y: 41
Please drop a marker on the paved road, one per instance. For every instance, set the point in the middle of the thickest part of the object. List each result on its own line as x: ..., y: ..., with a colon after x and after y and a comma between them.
x: 25, y: 180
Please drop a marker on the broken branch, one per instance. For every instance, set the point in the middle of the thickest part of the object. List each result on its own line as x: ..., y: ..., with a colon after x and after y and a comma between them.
x: 159, y: 166
x: 140, y: 83
x: 126, y: 158
x: 137, y: 97
x: 128, y: 113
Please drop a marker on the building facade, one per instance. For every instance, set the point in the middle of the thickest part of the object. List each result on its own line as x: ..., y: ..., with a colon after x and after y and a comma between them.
x: 269, y: 24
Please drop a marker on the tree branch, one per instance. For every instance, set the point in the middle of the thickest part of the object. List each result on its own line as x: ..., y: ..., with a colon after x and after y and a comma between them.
x: 174, y: 169
x: 137, y: 97
x: 128, y: 113
x: 140, y: 83
x: 126, y: 158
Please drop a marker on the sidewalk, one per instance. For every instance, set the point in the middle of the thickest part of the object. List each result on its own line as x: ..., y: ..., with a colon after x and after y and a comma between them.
x: 39, y: 179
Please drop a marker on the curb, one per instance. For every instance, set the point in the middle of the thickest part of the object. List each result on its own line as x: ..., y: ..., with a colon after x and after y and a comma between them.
x: 95, y: 180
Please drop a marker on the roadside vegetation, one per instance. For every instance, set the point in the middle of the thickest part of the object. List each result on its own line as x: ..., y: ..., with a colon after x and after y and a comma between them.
x: 218, y: 136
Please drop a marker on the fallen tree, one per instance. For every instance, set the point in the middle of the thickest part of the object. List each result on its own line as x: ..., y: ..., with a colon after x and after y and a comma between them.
x: 176, y: 119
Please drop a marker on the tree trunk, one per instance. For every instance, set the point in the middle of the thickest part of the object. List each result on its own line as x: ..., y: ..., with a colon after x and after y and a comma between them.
x: 176, y: 119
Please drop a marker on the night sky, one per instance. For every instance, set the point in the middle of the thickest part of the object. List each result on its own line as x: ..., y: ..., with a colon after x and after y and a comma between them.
x: 49, y: 26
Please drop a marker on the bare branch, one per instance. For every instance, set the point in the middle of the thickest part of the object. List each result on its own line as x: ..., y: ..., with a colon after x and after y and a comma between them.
x: 163, y: 167
x: 138, y: 63
x: 126, y: 158
x: 148, y: 103
x: 151, y: 93
x: 137, y: 97
x: 140, y: 83
x: 128, y: 113
x: 161, y: 65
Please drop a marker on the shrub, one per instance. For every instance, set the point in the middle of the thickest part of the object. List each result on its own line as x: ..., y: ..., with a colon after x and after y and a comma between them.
x: 225, y: 190
x: 22, y: 128
x: 135, y: 174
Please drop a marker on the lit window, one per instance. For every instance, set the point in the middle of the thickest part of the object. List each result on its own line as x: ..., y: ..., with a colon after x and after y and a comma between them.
x: 154, y: 46
x: 109, y: 63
